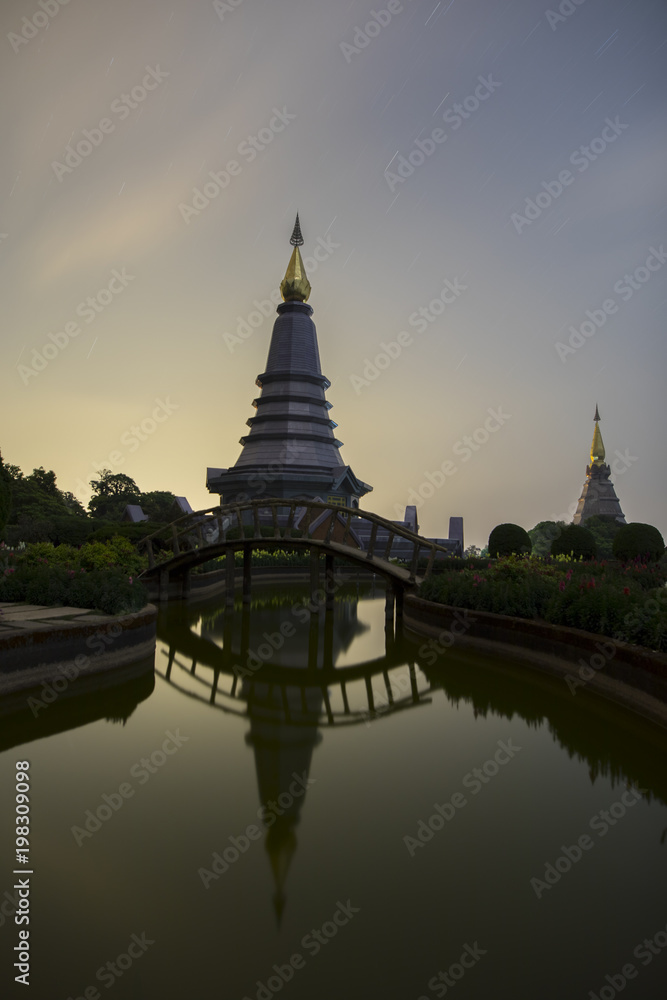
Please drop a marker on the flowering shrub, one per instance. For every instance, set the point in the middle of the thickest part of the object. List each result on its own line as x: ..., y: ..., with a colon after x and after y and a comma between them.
x: 110, y: 591
x: 117, y: 553
x: 99, y: 575
x: 296, y: 558
x: 624, y: 602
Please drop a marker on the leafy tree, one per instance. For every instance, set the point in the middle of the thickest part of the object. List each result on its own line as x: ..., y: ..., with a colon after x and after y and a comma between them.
x: 638, y: 541
x: 158, y: 505
x: 575, y: 541
x: 73, y: 504
x: 472, y: 552
x: 44, y: 482
x: 5, y: 494
x: 113, y: 484
x: 543, y: 534
x: 508, y: 539
x: 112, y: 493
x: 604, y: 530
x: 35, y: 498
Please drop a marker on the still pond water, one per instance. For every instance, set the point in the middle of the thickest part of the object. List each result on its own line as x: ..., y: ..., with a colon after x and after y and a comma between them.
x: 201, y: 834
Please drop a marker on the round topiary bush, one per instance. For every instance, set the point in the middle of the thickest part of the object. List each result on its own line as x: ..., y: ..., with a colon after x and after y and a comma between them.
x: 575, y: 541
x: 638, y: 541
x: 509, y: 539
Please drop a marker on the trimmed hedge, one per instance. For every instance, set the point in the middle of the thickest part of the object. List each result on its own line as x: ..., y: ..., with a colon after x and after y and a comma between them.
x: 110, y: 591
x: 638, y: 541
x: 575, y: 541
x: 509, y: 539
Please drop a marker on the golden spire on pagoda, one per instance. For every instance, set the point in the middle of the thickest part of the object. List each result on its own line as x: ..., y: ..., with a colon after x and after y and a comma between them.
x: 597, y: 448
x: 295, y: 286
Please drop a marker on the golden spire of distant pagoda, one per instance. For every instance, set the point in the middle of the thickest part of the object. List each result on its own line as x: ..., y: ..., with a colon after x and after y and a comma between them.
x: 597, y: 448
x: 295, y: 286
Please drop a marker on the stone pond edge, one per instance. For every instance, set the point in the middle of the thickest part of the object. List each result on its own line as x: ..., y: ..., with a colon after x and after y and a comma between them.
x: 73, y: 649
x: 631, y: 676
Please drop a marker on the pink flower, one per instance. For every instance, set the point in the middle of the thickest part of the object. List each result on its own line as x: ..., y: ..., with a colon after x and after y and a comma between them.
x: 626, y: 590
x: 130, y: 579
x: 561, y: 586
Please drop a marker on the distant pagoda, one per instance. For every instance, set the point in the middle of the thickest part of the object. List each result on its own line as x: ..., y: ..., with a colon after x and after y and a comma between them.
x: 291, y: 450
x: 598, y: 497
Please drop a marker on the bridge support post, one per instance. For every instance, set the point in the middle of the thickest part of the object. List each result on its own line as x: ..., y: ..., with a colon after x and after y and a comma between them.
x: 314, y: 580
x: 400, y: 594
x: 186, y: 584
x: 327, y: 646
x: 230, y: 567
x: 313, y: 641
x: 247, y: 573
x: 413, y: 682
x: 245, y: 634
x: 389, y: 604
x: 227, y: 634
x: 329, y: 581
x: 163, y: 586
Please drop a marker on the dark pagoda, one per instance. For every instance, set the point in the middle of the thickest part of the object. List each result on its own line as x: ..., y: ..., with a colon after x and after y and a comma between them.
x: 291, y: 450
x: 598, y: 497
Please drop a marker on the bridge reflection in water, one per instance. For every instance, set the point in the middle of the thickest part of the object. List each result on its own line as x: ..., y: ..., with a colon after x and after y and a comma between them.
x: 288, y: 686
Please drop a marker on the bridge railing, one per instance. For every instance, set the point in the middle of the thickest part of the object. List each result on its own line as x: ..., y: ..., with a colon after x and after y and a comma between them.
x: 192, y: 532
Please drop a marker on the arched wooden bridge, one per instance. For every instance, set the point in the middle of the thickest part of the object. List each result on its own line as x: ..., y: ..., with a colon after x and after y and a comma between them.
x: 321, y: 528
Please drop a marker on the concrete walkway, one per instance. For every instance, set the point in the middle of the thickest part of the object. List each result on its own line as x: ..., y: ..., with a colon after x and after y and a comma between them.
x: 20, y: 618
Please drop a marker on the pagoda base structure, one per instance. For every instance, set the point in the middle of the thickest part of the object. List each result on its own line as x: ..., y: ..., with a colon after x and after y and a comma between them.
x: 598, y: 497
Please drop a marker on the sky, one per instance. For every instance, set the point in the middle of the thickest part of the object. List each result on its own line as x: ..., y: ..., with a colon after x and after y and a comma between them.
x: 481, y: 189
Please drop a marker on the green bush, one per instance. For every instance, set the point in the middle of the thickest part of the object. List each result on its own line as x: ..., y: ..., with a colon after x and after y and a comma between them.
x: 5, y: 494
x: 71, y: 530
x: 509, y: 539
x: 627, y: 603
x: 543, y: 534
x: 266, y: 531
x: 574, y: 541
x: 110, y: 591
x: 638, y: 541
x: 134, y: 532
x: 118, y: 553
x: 603, y: 529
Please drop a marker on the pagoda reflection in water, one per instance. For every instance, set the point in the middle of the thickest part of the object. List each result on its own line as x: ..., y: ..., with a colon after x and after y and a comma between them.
x: 288, y: 686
